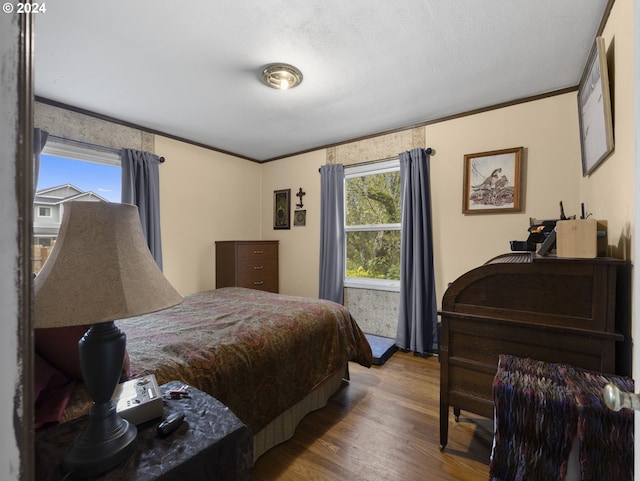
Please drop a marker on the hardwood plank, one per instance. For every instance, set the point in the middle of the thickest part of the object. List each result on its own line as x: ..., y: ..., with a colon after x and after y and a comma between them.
x: 383, y: 426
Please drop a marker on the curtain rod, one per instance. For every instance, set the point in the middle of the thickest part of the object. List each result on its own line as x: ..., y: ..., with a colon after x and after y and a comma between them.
x: 428, y: 150
x: 89, y: 145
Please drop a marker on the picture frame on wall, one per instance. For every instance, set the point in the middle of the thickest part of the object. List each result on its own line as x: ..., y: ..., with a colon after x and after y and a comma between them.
x: 300, y: 218
x: 492, y: 182
x: 282, y: 209
x: 594, y: 110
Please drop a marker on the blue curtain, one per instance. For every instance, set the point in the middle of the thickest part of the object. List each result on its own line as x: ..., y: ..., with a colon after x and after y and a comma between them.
x: 417, y: 316
x: 39, y: 140
x: 141, y: 187
x: 332, y: 233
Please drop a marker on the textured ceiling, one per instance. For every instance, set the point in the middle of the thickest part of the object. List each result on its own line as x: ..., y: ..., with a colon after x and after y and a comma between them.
x: 191, y: 70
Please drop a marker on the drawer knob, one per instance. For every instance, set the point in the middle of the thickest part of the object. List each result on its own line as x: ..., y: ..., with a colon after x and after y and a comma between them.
x: 258, y: 252
x: 258, y: 268
x: 258, y: 283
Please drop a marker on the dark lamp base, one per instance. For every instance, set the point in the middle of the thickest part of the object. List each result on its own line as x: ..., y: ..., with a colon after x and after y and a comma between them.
x: 95, y: 451
x: 107, y: 440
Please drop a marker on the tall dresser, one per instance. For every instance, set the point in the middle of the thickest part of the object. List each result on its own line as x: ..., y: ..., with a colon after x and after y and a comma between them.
x: 252, y: 264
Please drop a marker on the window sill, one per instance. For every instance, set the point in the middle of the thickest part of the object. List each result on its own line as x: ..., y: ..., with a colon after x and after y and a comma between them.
x: 391, y: 286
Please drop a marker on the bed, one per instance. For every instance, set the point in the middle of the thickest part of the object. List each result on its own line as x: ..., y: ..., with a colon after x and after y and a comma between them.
x: 270, y: 358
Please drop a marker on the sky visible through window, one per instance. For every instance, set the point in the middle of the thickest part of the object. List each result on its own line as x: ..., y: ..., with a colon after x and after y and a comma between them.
x: 102, y: 179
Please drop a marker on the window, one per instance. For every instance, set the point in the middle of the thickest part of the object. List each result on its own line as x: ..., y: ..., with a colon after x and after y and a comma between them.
x: 44, y: 211
x: 90, y: 170
x: 69, y: 172
x: 373, y: 215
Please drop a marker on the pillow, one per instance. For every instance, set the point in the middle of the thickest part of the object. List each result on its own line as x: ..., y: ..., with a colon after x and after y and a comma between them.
x: 59, y: 346
x: 45, y: 374
x: 52, y: 391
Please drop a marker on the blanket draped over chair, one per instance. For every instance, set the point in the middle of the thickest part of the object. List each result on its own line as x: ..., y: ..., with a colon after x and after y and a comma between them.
x: 541, y: 408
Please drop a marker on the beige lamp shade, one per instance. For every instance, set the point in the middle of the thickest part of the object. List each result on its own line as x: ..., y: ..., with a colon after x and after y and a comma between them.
x: 99, y: 270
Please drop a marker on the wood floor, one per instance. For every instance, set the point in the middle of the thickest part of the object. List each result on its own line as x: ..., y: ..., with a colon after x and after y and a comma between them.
x: 383, y: 426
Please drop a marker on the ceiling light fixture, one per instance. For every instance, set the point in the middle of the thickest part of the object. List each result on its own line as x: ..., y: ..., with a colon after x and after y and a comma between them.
x: 281, y: 76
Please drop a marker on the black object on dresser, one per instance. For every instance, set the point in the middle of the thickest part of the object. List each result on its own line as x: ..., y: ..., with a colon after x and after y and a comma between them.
x: 561, y: 310
x: 211, y: 443
x: 252, y: 264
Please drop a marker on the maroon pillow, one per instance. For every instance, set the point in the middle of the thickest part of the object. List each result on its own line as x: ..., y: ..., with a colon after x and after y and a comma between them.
x: 52, y: 390
x: 44, y: 375
x: 59, y: 346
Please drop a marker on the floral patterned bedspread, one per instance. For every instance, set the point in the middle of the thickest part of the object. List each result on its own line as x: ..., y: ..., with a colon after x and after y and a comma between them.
x: 257, y: 352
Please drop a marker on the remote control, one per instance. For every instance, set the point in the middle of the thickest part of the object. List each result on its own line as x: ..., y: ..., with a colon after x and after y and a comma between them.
x: 170, y: 424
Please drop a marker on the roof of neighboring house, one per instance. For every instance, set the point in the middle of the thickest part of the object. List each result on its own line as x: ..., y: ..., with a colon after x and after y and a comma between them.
x: 64, y: 193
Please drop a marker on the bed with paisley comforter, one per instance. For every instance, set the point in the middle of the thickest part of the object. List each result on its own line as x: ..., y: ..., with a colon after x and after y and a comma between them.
x: 270, y: 358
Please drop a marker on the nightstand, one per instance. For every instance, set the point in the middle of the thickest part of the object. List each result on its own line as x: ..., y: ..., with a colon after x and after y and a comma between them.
x: 211, y: 443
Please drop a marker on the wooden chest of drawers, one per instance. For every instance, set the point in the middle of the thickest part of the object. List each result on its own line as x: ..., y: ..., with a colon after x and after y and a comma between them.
x: 252, y: 264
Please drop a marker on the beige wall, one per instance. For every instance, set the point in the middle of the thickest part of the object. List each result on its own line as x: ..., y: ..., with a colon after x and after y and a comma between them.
x: 299, y: 246
x: 547, y: 129
x: 609, y: 191
x: 205, y: 196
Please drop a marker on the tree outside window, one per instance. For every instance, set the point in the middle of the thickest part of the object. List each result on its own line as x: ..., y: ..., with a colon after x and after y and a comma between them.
x: 372, y: 225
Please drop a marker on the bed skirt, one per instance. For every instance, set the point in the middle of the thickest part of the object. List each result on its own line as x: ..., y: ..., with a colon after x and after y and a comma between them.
x: 283, y: 427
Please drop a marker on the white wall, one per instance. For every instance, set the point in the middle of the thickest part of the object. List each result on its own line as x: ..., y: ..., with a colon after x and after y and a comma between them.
x: 10, y: 395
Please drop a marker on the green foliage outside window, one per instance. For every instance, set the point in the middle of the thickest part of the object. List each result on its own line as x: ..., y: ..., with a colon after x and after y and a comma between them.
x: 373, y: 251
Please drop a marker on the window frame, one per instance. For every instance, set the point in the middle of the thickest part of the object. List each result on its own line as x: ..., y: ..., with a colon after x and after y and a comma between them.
x: 374, y: 168
x: 84, y: 153
x: 49, y: 210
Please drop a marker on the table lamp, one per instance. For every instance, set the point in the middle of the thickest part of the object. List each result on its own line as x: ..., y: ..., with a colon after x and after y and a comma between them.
x: 100, y: 270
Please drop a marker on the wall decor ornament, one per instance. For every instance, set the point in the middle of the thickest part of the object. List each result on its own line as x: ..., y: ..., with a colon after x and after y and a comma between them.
x: 300, y: 195
x: 492, y: 182
x: 282, y: 209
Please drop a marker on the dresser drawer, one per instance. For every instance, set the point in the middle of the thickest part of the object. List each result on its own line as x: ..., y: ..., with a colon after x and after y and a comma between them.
x: 258, y: 274
x: 257, y: 269
x: 263, y: 284
x: 257, y: 251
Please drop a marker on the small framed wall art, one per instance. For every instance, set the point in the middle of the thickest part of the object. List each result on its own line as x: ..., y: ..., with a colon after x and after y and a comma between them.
x: 282, y: 209
x: 299, y: 217
x: 492, y: 182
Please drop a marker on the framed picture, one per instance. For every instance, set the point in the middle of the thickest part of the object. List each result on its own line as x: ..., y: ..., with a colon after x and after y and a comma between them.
x: 299, y: 217
x: 594, y: 110
x: 282, y: 209
x: 492, y: 182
